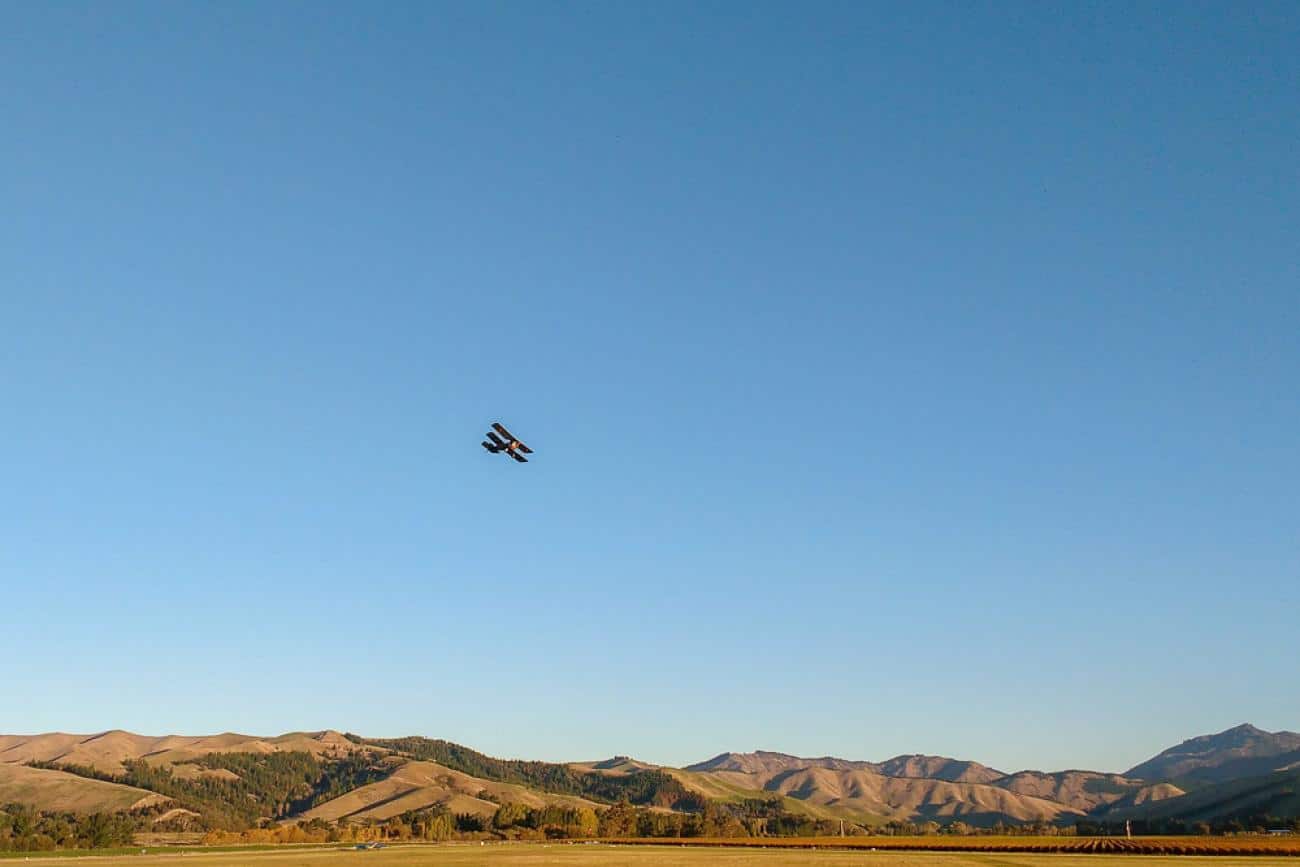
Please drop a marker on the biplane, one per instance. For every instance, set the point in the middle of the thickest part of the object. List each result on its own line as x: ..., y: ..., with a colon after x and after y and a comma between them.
x: 503, y: 440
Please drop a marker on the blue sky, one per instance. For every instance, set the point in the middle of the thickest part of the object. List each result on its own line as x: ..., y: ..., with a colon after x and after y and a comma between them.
x: 903, y: 377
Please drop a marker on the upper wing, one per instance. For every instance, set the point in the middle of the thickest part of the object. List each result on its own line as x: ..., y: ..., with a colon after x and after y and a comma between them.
x: 525, y: 449
x: 518, y: 457
x: 500, y: 428
x: 496, y: 440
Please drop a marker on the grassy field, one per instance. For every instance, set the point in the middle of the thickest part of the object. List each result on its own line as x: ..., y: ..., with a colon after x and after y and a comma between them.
x: 538, y: 855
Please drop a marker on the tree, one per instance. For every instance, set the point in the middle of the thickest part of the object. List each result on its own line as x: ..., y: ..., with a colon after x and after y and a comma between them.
x: 618, y: 821
x: 510, y: 815
x: 585, y: 823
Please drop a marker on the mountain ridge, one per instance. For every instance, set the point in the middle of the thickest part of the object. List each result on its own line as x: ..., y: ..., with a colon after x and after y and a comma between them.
x: 1235, y: 753
x: 421, y: 773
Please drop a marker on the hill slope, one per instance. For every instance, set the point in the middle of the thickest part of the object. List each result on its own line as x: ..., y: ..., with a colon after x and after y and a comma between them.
x: 1086, y: 791
x: 938, y: 768
x: 914, y: 765
x: 766, y: 762
x: 107, y: 751
x: 1240, y: 752
x: 415, y: 785
x: 1276, y: 794
x: 59, y: 791
x: 864, y: 795
x: 904, y: 787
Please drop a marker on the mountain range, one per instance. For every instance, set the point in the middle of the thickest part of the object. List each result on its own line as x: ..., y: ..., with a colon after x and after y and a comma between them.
x: 1235, y: 772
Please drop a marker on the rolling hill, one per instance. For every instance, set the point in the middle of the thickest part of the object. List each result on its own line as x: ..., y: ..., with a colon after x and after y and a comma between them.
x: 1086, y: 791
x: 416, y: 785
x: 1276, y: 794
x: 939, y: 768
x: 108, y: 750
x: 118, y: 771
x: 926, y: 767
x: 230, y: 778
x: 618, y: 766
x: 765, y: 762
x: 1136, y: 802
x: 903, y: 787
x: 1239, y: 752
x: 59, y: 791
x: 839, y: 790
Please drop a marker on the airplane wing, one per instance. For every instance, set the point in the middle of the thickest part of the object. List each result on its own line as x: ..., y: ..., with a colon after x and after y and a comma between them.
x: 518, y: 457
x: 500, y: 428
x: 496, y: 440
x: 493, y: 449
x: 525, y: 449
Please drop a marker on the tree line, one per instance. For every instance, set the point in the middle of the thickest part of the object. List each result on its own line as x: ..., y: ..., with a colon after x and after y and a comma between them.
x: 515, y: 821
x: 1244, y: 822
x: 23, y: 828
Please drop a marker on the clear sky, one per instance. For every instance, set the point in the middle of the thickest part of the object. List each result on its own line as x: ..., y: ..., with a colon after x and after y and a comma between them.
x: 902, y: 377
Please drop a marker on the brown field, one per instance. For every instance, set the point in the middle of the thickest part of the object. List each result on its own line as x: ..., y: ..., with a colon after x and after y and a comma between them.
x: 696, y: 855
x: 1251, y: 846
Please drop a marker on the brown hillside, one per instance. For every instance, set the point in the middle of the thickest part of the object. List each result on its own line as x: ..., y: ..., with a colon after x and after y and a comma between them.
x: 56, y: 790
x: 106, y: 751
x: 903, y: 797
x: 1081, y: 790
x: 417, y: 785
x: 916, y: 765
x: 1158, y: 792
x: 868, y: 794
x: 1144, y: 796
x: 938, y: 768
x: 765, y: 762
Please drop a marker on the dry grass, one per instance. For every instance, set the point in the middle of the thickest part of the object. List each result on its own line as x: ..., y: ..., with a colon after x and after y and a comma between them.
x: 579, y: 855
x: 862, y: 795
x: 415, y: 785
x: 107, y: 750
x: 56, y: 790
